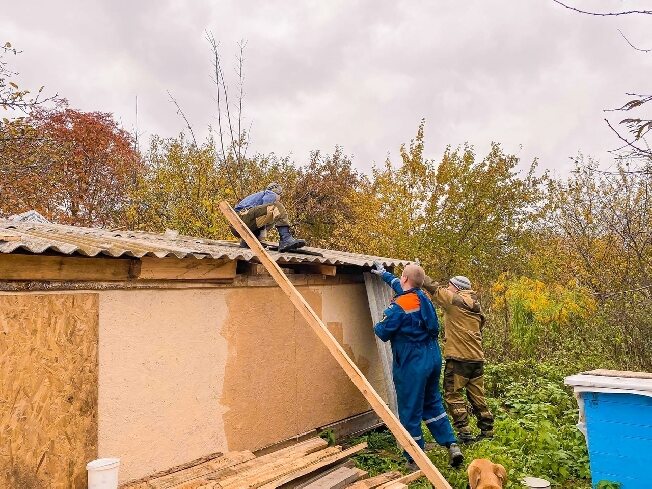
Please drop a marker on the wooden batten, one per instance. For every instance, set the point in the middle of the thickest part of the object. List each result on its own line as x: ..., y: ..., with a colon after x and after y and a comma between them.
x: 81, y: 269
x: 57, y: 268
x: 186, y: 269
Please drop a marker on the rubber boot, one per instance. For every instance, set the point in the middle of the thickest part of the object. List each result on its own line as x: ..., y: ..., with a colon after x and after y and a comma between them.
x: 287, y: 241
x: 455, y: 455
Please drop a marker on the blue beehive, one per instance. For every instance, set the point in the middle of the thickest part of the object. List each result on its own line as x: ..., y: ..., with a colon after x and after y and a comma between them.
x: 616, y: 419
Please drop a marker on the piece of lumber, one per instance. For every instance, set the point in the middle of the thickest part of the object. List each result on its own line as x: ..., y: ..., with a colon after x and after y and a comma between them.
x: 276, y: 469
x: 140, y: 483
x: 406, y: 479
x: 350, y: 368
x: 317, y: 474
x: 337, y: 479
x: 262, y: 463
x: 395, y: 485
x: 376, y: 481
x: 44, y: 267
x: 325, y: 462
x: 353, y: 425
x: 379, y: 295
x: 186, y: 269
x: 199, y: 471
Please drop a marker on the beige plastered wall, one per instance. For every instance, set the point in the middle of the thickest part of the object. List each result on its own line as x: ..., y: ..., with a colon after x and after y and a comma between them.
x: 186, y: 373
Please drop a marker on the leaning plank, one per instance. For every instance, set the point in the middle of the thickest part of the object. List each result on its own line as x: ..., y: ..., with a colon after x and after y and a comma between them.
x: 200, y: 471
x: 379, y: 295
x: 274, y: 470
x: 376, y: 481
x: 325, y: 462
x: 349, y: 367
x: 337, y: 479
x: 406, y: 479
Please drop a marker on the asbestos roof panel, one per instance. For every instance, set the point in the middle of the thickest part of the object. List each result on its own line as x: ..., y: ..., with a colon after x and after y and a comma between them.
x: 38, y: 238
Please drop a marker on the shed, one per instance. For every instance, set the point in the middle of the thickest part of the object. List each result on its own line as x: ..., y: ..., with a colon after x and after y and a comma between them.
x: 616, y: 419
x: 161, y: 348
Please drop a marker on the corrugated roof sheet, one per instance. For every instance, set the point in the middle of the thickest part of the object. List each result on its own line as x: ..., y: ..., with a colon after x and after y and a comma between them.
x: 38, y: 237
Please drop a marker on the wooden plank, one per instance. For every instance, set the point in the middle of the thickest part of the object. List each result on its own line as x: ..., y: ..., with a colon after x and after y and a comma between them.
x: 44, y: 267
x: 186, y: 269
x: 337, y: 479
x: 353, y: 425
x: 376, y: 481
x: 325, y: 462
x: 350, y: 368
x: 395, y: 485
x: 276, y: 469
x: 406, y: 479
x: 299, y: 450
x: 199, y: 471
x: 317, y: 474
x: 379, y: 295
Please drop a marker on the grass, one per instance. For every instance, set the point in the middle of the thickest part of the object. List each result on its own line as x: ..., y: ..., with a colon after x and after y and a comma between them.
x: 535, y: 433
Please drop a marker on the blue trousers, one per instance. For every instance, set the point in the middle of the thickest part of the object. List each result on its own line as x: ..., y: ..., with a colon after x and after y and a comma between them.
x: 416, y: 369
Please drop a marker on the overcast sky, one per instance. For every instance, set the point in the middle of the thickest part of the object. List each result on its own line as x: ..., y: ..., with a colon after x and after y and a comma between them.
x: 360, y: 74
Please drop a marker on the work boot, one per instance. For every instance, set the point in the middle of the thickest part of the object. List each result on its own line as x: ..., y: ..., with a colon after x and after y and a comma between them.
x: 455, y: 456
x: 485, y: 435
x: 287, y: 241
x: 465, y: 438
x: 412, y: 466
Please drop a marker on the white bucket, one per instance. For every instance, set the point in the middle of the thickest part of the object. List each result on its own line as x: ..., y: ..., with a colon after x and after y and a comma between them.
x: 536, y: 483
x: 103, y: 473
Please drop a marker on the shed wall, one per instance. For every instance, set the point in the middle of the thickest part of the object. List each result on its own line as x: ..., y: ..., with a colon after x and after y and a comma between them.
x: 48, y: 389
x: 185, y: 373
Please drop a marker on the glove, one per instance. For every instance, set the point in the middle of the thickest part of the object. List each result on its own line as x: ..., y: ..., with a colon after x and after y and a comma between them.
x: 378, y: 268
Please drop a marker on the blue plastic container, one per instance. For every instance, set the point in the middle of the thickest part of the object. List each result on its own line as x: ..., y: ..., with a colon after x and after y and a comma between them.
x: 616, y: 419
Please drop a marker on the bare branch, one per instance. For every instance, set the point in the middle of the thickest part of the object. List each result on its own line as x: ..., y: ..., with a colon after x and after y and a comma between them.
x: 637, y: 48
x: 183, y: 115
x: 604, y: 14
x: 216, y: 63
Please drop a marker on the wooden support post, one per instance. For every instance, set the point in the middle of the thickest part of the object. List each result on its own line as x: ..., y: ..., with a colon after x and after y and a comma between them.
x: 350, y: 368
x: 379, y: 295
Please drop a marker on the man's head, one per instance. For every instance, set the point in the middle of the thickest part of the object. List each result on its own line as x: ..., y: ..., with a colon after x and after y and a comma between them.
x: 412, y: 277
x: 459, y: 282
x: 275, y: 187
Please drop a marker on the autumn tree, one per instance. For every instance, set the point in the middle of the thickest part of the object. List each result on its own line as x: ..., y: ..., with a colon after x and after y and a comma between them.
x: 75, y: 167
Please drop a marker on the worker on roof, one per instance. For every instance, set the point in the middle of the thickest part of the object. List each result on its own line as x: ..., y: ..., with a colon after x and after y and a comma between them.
x: 263, y: 209
x: 410, y: 324
x: 463, y: 323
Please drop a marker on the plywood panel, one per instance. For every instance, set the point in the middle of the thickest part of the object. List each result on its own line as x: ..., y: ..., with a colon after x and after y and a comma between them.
x: 48, y: 389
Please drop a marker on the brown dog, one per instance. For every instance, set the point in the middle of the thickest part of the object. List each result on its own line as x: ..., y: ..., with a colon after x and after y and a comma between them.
x: 484, y: 474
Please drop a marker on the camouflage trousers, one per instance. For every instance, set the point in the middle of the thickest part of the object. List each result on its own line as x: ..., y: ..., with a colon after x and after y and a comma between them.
x: 460, y: 375
x: 265, y: 215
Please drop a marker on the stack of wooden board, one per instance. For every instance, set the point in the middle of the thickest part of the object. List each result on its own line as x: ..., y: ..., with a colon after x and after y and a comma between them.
x: 305, y: 464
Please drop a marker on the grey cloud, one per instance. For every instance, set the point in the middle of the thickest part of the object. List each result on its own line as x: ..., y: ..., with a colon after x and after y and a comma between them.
x: 361, y: 74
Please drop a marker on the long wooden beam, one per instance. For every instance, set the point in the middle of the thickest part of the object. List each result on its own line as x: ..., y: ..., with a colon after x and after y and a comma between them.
x: 350, y: 368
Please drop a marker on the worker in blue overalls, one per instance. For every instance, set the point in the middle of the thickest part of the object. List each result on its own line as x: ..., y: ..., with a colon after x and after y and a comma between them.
x: 410, y: 323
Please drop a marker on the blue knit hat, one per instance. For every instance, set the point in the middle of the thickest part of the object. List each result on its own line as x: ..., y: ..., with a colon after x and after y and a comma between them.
x: 461, y: 282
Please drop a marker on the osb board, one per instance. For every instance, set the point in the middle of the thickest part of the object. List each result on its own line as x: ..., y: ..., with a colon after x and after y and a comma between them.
x: 48, y: 389
x: 280, y: 380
